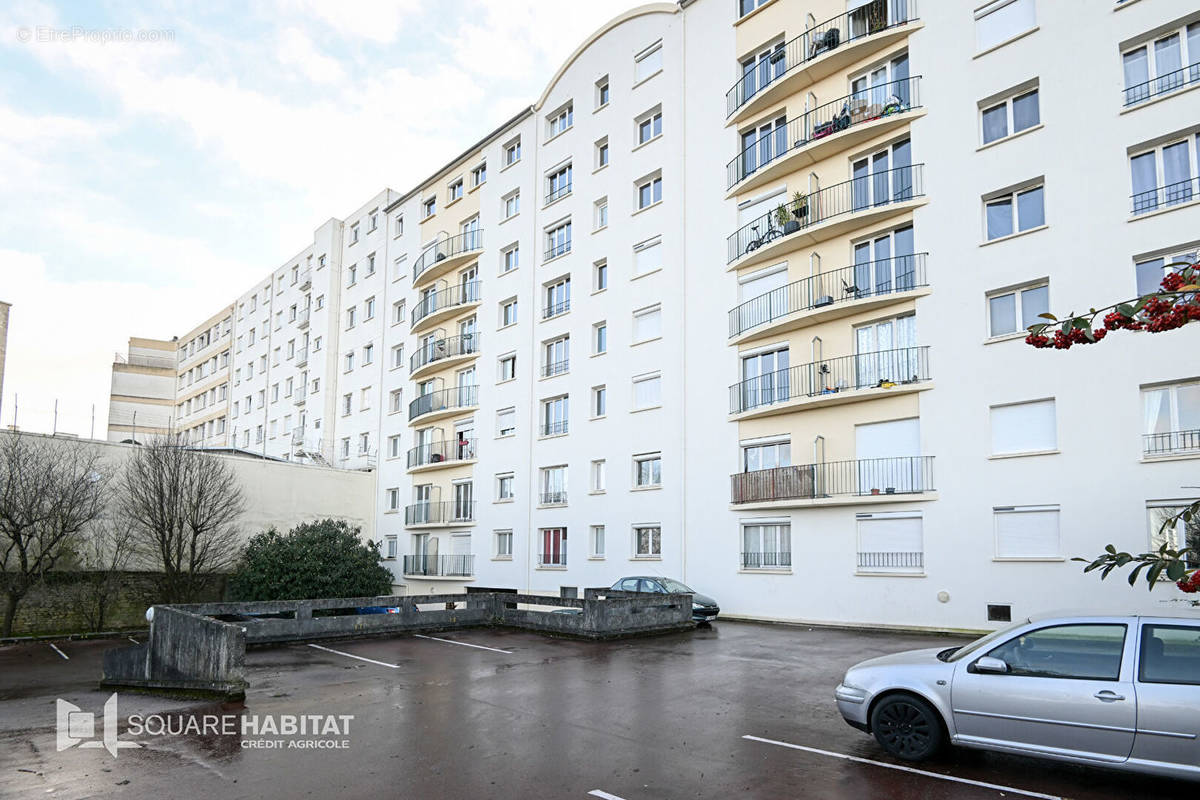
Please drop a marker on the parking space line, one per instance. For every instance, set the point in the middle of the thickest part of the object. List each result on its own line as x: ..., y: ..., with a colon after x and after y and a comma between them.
x: 351, y: 655
x: 135, y: 641
x: 60, y: 652
x: 464, y: 644
x: 939, y: 776
x: 604, y: 795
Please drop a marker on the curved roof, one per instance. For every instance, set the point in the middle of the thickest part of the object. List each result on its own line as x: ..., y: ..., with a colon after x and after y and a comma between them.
x: 633, y: 13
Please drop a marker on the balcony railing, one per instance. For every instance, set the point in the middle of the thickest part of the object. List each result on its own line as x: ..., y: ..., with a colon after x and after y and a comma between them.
x: 440, y: 566
x: 556, y: 367
x: 1165, y: 196
x: 305, y: 279
x: 435, y: 513
x: 891, y: 560
x: 857, y: 282
x: 442, y: 452
x: 554, y: 428
x: 448, y: 248
x: 556, y: 558
x: 458, y: 295
x: 301, y: 356
x: 857, y: 194
x: 877, y: 369
x: 766, y: 560
x: 557, y: 193
x: 874, y: 17
x: 557, y: 249
x: 1161, y: 444
x: 556, y: 498
x: 1163, y: 84
x: 302, y: 318
x: 884, y: 100
x: 829, y: 479
x: 444, y: 400
x: 440, y: 349
x: 556, y: 308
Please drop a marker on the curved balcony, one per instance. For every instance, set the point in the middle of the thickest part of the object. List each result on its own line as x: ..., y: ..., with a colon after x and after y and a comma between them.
x: 448, y: 254
x: 831, y: 483
x: 831, y: 127
x: 444, y: 302
x: 829, y: 295
x: 826, y: 213
x: 437, y: 455
x: 441, y: 353
x: 443, y: 403
x: 832, y: 381
x: 819, y: 52
x: 439, y: 514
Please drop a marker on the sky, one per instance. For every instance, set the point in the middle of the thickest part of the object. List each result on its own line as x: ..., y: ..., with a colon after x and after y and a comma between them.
x: 158, y: 158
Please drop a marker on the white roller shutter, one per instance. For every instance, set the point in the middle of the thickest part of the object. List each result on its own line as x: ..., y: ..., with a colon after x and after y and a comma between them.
x: 1027, y: 532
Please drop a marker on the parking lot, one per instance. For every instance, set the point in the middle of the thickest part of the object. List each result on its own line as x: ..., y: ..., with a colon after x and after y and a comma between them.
x: 735, y: 710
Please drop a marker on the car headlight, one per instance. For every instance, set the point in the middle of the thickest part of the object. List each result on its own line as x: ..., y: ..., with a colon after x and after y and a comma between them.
x: 697, y: 607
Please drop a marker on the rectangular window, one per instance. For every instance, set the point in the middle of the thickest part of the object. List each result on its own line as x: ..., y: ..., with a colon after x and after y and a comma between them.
x: 599, y: 401
x: 1003, y: 20
x: 504, y: 544
x: 647, y: 541
x: 553, y: 486
x: 508, y: 312
x: 598, y: 476
x: 1024, y: 428
x: 1157, y: 67
x: 556, y: 356
x: 647, y: 256
x: 1026, y: 531
x: 555, y: 416
x: 397, y: 356
x: 512, y: 152
x: 1150, y: 272
x: 351, y: 318
x: 558, y: 298
x: 504, y: 486
x: 649, y: 126
x: 506, y: 422
x: 649, y: 192
x: 479, y: 175
x: 349, y: 361
x: 1010, y: 116
x: 602, y: 153
x: 398, y: 315
x: 596, y: 542
x: 512, y: 204
x: 1171, y: 419
x: 766, y: 545
x: 600, y: 276
x: 890, y: 543
x: 558, y: 240
x: 394, y: 446
x: 347, y: 403
x: 1015, y: 310
x: 508, y: 368
x: 399, y: 267
x: 599, y: 338
x: 552, y: 550
x: 746, y: 6
x: 1166, y: 175
x: 390, y: 548
x: 648, y: 62
x: 647, y: 470
x: 429, y: 208
x: 368, y: 354
x: 647, y: 392
x: 600, y: 213
x: 560, y: 120
x: 398, y: 227
x: 647, y: 324
x: 354, y: 233
x: 395, y: 401
x: 602, y: 92
x: 1023, y: 209
x: 369, y: 308
x: 1180, y: 534
x: 558, y: 184
x: 511, y: 259
x: 1170, y: 654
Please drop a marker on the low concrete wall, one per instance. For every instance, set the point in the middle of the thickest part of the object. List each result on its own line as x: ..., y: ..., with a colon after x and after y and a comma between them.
x: 603, y: 614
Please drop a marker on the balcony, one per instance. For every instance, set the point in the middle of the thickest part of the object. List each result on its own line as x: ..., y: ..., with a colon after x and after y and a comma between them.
x: 831, y: 483
x: 445, y: 513
x: 446, y: 255
x: 819, y: 52
x: 437, y: 455
x: 827, y: 213
x: 1162, y: 85
x: 443, y: 403
x: 828, y: 128
x: 891, y: 561
x: 559, y: 428
x: 552, y: 368
x: 1165, y: 196
x: 441, y: 352
x: 443, y: 302
x: 556, y: 193
x: 555, y: 498
x: 302, y: 318
x: 302, y: 357
x: 306, y: 280
x: 556, y: 308
x: 454, y: 566
x: 830, y: 295
x: 556, y: 557
x: 767, y: 561
x: 299, y: 397
x: 1171, y: 443
x: 557, y: 249
x: 834, y: 381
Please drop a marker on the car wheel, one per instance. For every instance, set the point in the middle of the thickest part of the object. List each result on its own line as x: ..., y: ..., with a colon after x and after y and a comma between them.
x: 907, y: 727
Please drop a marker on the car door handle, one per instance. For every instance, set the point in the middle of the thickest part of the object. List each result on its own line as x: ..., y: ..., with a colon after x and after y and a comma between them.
x: 1108, y: 696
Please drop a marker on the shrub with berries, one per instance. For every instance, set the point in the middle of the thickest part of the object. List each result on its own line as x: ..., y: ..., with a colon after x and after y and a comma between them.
x: 1190, y: 584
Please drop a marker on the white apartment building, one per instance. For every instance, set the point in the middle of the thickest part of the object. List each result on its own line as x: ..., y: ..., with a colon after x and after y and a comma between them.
x: 739, y: 299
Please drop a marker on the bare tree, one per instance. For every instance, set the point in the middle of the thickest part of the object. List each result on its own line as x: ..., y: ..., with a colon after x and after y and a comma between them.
x: 184, y: 505
x: 51, y: 490
x: 105, y: 555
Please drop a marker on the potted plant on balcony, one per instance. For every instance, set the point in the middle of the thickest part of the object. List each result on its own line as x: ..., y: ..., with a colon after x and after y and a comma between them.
x: 785, y: 221
x: 876, y: 16
x: 799, y: 205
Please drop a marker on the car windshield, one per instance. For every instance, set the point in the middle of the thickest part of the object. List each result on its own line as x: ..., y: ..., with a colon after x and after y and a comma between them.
x: 674, y: 586
x: 979, y: 644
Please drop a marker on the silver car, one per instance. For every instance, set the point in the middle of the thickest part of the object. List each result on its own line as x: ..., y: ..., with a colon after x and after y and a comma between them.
x: 1121, y: 692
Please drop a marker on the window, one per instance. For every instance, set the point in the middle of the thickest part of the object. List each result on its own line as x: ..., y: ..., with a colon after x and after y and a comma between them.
x: 504, y: 544
x: 647, y: 470
x: 1026, y: 532
x: 320, y: 303
x: 558, y: 240
x: 511, y: 259
x: 275, y: 393
x: 999, y: 212
x: 1080, y: 652
x: 369, y: 308
x: 602, y: 93
x: 1171, y: 417
x: 1015, y: 310
x: 552, y: 550
x: 508, y: 312
x: 508, y: 368
x: 1170, y: 654
x: 598, y: 477
x: 390, y: 549
x: 512, y: 204
x: 399, y: 267
x: 600, y: 275
x: 599, y: 401
x: 351, y: 276
x: 479, y: 175
x: 890, y: 543
x: 553, y: 486
x: 768, y: 455
x: 395, y: 401
x: 556, y: 356
x: 647, y: 62
x: 512, y: 152
x: 647, y: 324
x: 393, y: 499
x: 1155, y: 68
x: 506, y: 422
x: 746, y: 6
x: 364, y: 443
x: 398, y: 315
x: 602, y: 153
x: 1002, y: 20
x: 351, y: 317
x: 1010, y: 116
x: 429, y: 208
x: 558, y: 184
x: 596, y: 542
x: 649, y: 126
x: 647, y: 256
x: 349, y: 361
x: 647, y: 392
x: 1165, y: 175
x: 371, y: 264
x: 647, y: 541
x: 1151, y: 271
x: 555, y: 416
x: 649, y: 192
x: 558, y: 298
x: 600, y: 213
x: 504, y: 486
x: 347, y: 402
x: 559, y: 121
x: 1177, y: 536
x: 766, y: 545
x: 354, y: 233
x: 398, y: 226
x: 368, y: 354
x: 1024, y: 428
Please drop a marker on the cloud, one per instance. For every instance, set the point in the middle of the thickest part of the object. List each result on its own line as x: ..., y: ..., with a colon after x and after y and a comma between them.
x: 295, y: 49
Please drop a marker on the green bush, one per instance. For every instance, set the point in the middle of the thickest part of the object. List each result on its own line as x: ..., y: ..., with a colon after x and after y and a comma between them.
x: 311, y: 561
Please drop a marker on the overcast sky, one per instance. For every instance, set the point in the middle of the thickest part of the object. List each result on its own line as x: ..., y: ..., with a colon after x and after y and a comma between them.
x: 145, y: 183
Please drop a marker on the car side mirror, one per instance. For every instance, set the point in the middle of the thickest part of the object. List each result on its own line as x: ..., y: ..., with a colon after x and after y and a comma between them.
x: 991, y: 665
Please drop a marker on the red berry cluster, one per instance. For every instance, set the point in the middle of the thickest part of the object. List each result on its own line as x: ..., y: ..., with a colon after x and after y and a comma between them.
x: 1189, y: 583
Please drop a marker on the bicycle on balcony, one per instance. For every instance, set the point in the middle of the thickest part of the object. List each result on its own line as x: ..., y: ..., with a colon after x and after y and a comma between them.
x: 757, y: 241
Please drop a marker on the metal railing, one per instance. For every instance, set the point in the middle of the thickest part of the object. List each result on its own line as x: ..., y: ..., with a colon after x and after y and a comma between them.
x: 884, y: 100
x: 301, y: 356
x: 554, y: 428
x: 440, y: 349
x: 552, y: 498
x: 442, y: 452
x: 554, y: 309
x: 891, y: 560
x: 553, y: 559
x: 878, y: 369
x: 1163, y: 84
x: 558, y: 194
x: 444, y: 511
x: 302, y: 317
x: 766, y: 560
x: 448, y: 248
x: 856, y: 477
x: 443, y: 400
x: 1165, y: 196
x: 440, y: 566
x: 872, y: 18
x: 305, y: 279
x: 1158, y: 444
x: 460, y: 294
x: 857, y: 194
x: 556, y: 367
x: 556, y: 250
x: 856, y: 282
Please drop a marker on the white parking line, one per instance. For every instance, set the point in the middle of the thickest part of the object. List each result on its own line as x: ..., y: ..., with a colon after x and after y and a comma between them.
x: 604, y: 795
x: 981, y: 784
x: 60, y: 652
x: 351, y: 655
x: 464, y: 644
x: 135, y: 641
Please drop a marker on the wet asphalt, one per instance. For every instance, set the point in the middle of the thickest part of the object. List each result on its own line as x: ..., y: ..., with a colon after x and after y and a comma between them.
x: 517, y: 715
